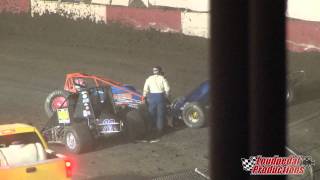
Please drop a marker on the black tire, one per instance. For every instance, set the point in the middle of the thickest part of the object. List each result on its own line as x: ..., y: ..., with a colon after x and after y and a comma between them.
x: 174, y: 111
x: 290, y: 95
x: 135, y: 125
x: 193, y: 115
x: 48, y: 103
x: 78, y: 138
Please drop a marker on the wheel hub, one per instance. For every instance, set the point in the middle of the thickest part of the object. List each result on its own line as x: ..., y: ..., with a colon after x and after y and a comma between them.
x: 194, y: 117
x: 57, y: 102
x: 71, y: 141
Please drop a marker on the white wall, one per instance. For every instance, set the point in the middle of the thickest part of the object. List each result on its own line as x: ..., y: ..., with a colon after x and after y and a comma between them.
x: 40, y: 7
x: 72, y: 10
x: 194, y: 5
x: 304, y: 9
x: 195, y: 24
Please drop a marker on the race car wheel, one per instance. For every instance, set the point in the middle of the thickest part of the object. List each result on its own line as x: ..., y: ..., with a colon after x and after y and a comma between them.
x: 193, y: 115
x: 78, y: 138
x: 55, y: 99
x: 135, y: 125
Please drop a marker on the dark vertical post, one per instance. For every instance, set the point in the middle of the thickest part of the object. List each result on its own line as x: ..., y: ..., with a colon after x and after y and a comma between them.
x: 229, y: 133
x: 267, y: 79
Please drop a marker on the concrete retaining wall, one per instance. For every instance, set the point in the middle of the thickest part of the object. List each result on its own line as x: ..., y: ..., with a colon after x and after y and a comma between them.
x: 141, y: 18
x: 169, y: 20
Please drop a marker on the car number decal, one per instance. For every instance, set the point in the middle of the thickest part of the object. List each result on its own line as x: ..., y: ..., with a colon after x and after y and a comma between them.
x: 63, y: 116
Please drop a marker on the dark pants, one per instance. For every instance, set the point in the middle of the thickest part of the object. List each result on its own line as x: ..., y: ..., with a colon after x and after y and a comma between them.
x: 157, y: 110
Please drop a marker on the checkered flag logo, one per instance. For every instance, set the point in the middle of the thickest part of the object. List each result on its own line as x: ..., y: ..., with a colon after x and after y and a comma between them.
x: 248, y: 164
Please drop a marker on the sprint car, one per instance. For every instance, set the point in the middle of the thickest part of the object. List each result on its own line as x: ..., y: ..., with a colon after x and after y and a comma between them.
x: 192, y: 108
x: 122, y: 94
x: 91, y: 108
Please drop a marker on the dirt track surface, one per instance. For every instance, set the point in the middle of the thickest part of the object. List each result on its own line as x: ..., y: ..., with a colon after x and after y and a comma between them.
x: 36, y: 55
x: 35, y: 63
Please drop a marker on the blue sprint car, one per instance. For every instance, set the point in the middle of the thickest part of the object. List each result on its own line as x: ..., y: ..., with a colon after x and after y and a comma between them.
x: 193, y: 107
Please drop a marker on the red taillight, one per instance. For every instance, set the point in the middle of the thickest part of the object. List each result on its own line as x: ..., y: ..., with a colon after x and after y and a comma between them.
x: 68, y: 165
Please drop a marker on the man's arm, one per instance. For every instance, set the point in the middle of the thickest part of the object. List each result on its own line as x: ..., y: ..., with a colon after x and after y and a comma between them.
x: 146, y: 88
x: 166, y: 87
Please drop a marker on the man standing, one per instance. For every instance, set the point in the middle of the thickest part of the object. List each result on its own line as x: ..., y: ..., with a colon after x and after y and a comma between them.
x: 156, y: 89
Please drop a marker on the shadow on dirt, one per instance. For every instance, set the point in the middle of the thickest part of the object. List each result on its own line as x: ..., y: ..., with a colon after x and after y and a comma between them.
x: 108, y: 142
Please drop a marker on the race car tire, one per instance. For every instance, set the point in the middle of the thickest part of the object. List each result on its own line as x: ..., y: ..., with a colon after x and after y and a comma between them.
x: 174, y: 111
x: 135, y: 125
x: 193, y: 115
x: 55, y: 98
x: 78, y: 138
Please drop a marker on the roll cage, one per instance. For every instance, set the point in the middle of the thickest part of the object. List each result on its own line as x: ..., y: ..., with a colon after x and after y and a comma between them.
x: 97, y: 81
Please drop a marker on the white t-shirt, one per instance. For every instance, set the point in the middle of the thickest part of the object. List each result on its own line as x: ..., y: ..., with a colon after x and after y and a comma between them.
x: 156, y: 84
